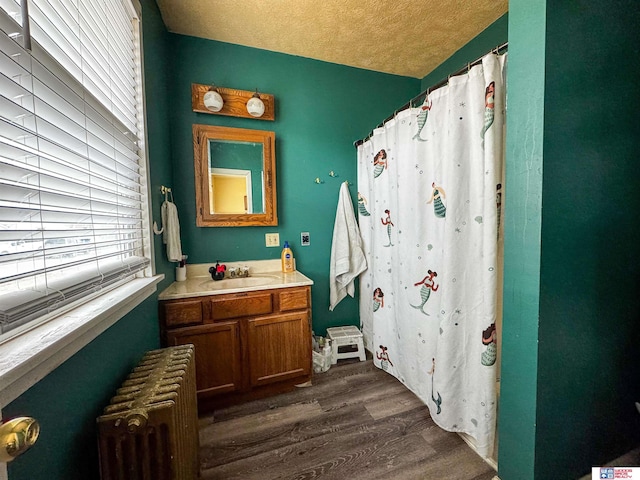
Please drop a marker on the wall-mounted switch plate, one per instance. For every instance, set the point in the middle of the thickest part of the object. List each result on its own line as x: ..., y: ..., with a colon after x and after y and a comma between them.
x: 272, y: 239
x: 305, y: 239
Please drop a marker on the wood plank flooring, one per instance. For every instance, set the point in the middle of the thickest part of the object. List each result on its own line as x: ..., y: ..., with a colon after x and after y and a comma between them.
x: 355, y: 422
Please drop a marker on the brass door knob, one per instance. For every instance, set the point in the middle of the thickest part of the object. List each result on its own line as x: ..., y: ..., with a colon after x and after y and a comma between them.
x: 16, y: 436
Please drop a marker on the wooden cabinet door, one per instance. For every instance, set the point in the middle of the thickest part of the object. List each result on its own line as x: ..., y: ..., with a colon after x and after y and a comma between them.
x: 218, y: 356
x: 279, y: 347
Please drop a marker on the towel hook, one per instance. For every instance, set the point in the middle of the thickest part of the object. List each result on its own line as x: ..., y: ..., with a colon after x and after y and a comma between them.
x: 333, y: 174
x: 318, y: 181
x: 156, y: 230
x: 165, y: 191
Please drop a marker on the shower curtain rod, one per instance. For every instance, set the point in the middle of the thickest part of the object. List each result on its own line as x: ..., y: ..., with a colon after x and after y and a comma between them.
x: 441, y: 83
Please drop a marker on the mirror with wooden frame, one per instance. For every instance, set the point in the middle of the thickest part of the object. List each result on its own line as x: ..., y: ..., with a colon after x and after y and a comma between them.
x: 235, y: 174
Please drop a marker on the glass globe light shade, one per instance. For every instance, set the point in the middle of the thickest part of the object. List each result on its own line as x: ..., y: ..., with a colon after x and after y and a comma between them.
x: 255, y: 106
x: 213, y: 101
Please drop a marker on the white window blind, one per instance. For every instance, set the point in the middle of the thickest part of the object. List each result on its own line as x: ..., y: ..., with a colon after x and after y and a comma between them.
x: 73, y: 203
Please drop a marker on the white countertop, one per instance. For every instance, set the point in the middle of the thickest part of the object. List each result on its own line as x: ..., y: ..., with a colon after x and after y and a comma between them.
x: 263, y: 275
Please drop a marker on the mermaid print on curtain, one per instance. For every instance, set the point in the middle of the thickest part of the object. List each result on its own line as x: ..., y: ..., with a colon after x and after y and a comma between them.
x: 429, y: 196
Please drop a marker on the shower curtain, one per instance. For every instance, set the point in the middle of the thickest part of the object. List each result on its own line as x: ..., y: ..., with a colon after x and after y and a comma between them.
x: 429, y: 204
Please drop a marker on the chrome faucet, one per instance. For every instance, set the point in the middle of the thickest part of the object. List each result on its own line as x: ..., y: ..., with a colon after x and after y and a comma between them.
x: 238, y: 272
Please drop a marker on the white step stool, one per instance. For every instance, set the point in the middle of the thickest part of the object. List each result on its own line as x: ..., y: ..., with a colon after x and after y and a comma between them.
x: 343, y: 336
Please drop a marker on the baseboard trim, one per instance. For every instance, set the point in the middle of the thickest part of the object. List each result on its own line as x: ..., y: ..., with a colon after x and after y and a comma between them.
x: 468, y: 439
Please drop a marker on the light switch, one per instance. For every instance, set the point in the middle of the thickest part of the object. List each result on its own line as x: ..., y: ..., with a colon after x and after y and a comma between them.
x: 272, y: 239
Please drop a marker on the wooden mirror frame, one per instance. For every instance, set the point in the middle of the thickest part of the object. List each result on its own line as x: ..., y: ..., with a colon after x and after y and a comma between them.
x: 201, y: 136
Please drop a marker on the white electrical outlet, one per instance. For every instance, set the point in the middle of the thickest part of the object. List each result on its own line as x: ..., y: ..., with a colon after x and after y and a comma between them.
x: 305, y: 239
x: 272, y: 239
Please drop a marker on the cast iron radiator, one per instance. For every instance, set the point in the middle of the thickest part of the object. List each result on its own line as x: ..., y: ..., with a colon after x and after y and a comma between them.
x: 149, y: 431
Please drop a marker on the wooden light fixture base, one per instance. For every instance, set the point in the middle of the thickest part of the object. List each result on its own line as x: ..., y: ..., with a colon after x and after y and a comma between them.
x: 235, y: 102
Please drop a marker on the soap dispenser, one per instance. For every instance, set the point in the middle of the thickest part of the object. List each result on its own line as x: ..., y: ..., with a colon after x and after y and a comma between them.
x: 287, y: 259
x: 217, y: 272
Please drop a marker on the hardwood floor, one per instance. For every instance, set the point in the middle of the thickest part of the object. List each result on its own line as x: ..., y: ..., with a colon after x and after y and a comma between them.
x: 355, y: 422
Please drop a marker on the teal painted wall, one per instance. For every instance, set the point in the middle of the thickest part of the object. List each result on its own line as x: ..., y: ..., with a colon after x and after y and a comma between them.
x: 156, y: 51
x: 522, y: 232
x: 321, y: 109
x: 68, y: 400
x: 590, y: 264
x: 572, y: 268
x: 571, y: 309
x: 492, y: 36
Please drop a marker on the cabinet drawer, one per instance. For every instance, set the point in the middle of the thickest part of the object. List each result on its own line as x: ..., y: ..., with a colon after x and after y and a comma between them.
x: 240, y: 305
x: 187, y: 312
x: 293, y: 299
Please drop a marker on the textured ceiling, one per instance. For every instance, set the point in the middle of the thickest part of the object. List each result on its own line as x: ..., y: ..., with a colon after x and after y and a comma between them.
x: 403, y: 37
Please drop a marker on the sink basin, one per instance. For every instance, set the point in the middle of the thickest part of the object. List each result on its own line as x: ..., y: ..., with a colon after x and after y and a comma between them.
x: 234, y: 283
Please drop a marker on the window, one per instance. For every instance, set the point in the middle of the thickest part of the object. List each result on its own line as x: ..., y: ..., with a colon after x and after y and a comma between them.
x: 73, y: 203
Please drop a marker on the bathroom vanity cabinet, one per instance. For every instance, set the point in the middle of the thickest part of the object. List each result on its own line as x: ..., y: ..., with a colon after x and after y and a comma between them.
x: 247, y: 344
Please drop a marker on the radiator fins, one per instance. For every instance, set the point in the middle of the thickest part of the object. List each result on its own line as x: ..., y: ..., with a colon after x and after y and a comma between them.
x: 149, y: 431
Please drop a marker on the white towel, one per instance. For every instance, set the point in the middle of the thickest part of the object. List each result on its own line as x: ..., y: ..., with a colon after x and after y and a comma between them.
x: 347, y: 257
x: 171, y: 232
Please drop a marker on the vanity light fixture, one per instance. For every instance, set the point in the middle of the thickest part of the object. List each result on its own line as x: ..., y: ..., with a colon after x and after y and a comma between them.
x: 213, y: 100
x: 255, y: 105
x: 216, y: 100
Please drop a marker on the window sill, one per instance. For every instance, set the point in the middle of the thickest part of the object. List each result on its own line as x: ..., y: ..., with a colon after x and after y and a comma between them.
x: 29, y: 357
